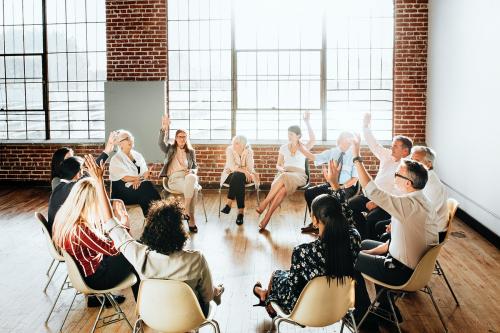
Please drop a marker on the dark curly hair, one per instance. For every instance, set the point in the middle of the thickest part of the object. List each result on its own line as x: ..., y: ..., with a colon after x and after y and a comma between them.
x: 163, y: 231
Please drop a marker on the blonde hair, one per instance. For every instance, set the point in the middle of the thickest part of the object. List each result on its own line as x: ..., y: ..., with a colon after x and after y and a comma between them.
x: 81, y: 207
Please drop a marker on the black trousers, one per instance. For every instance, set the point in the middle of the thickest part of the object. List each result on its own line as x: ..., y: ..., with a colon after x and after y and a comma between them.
x: 366, y: 226
x: 314, y: 191
x: 143, y: 196
x: 375, y: 266
x: 112, y: 271
x: 236, y: 181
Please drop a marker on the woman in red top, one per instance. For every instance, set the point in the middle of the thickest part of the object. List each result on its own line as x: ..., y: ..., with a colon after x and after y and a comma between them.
x: 78, y: 230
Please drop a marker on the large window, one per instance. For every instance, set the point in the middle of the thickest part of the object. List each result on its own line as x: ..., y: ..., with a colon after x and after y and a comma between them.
x: 71, y: 63
x: 255, y: 67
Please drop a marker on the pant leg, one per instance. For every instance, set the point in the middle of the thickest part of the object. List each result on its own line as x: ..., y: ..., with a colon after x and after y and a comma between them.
x: 237, y: 189
x: 112, y: 271
x: 358, y: 206
x: 191, y: 190
x: 147, y: 193
x: 313, y: 192
x: 374, y: 216
x: 380, y: 228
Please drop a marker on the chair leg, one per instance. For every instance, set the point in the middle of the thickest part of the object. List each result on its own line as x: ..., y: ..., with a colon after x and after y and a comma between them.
x: 57, y: 298
x: 392, y: 310
x: 305, y: 216
x: 273, y: 324
x: 103, y: 301
x: 67, y: 313
x: 203, y: 203
x: 428, y: 290
x: 51, y: 276
x: 118, y: 309
x: 220, y: 199
x: 441, y: 272
x: 48, y: 269
x: 258, y: 198
x: 370, y: 308
x: 355, y: 328
x: 215, y: 325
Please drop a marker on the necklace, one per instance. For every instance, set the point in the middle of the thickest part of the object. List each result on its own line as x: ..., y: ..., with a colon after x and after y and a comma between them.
x: 293, y: 149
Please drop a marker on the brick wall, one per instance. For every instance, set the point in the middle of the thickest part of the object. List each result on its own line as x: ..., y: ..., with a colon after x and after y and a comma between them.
x: 136, y: 45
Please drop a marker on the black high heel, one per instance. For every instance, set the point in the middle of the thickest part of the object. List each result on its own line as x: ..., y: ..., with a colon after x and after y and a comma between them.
x: 261, y: 302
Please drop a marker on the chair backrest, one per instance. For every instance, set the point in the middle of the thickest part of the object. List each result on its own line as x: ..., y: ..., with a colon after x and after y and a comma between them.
x: 74, y: 274
x: 53, y: 251
x: 423, y: 272
x: 321, y: 304
x: 168, y: 306
x: 452, y: 209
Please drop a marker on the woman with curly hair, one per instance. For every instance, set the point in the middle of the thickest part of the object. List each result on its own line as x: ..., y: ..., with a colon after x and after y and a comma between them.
x: 160, y: 252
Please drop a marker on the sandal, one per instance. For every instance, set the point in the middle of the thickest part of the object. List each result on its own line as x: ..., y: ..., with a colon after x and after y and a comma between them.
x: 261, y: 302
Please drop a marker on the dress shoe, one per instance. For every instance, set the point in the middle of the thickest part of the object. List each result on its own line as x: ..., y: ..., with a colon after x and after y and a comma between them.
x: 226, y: 209
x: 93, y: 301
x: 309, y: 229
x: 239, y: 219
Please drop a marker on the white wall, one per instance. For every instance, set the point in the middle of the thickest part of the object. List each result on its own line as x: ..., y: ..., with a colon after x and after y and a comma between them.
x: 463, y: 102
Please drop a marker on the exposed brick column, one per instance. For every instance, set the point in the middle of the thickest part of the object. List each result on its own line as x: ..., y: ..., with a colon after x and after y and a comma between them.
x: 410, y: 68
x: 136, y: 39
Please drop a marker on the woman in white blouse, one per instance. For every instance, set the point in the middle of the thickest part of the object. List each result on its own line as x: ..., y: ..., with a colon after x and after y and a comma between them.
x: 238, y: 171
x: 129, y: 175
x: 291, y: 171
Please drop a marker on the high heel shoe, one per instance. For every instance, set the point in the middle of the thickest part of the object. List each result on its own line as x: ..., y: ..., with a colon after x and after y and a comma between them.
x: 261, y: 302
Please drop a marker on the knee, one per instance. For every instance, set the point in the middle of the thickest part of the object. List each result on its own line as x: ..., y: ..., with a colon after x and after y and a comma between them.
x: 191, y: 178
x: 239, y: 176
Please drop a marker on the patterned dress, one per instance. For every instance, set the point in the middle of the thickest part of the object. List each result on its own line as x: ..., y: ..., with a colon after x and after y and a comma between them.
x: 308, y: 261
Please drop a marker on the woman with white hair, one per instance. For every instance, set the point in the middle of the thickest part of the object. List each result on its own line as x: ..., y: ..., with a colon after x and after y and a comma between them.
x: 238, y: 171
x: 129, y: 174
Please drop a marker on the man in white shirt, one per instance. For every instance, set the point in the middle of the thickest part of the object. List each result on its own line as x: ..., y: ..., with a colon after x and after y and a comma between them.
x: 434, y: 190
x: 389, y: 162
x: 347, y: 178
x: 414, y: 224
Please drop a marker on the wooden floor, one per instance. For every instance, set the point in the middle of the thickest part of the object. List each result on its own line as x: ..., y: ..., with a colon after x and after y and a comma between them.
x: 238, y: 256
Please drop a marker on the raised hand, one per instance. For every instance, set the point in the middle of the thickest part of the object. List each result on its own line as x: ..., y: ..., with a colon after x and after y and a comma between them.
x: 95, y: 171
x: 120, y: 212
x: 367, y: 119
x: 332, y: 173
x: 165, y: 122
x: 356, y: 145
x: 307, y: 116
x: 112, y: 141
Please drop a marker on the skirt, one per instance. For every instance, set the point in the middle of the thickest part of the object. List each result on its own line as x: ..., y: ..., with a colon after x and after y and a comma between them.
x: 292, y: 178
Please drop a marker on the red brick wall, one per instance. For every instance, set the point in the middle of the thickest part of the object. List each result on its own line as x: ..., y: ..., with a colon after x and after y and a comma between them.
x: 136, y: 44
x: 136, y: 40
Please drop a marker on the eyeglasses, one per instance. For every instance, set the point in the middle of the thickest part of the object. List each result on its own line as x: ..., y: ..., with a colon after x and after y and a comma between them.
x: 401, y: 176
x: 127, y: 138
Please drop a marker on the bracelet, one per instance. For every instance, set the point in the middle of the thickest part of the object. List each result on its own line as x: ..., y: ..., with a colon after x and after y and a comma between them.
x: 356, y: 159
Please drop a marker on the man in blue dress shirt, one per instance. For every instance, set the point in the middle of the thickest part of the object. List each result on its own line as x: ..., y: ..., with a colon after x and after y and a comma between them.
x: 348, y: 177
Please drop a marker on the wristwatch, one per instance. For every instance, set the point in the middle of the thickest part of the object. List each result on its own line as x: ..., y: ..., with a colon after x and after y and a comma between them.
x: 357, y: 158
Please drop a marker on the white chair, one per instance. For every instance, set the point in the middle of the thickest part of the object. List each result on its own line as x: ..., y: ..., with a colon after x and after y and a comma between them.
x: 81, y: 288
x: 418, y: 281
x: 56, y: 257
x: 170, y: 306
x: 247, y: 186
x: 169, y: 190
x: 438, y: 269
x: 320, y: 304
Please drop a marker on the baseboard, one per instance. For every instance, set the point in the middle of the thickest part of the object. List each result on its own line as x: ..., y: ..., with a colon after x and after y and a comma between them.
x: 477, y: 226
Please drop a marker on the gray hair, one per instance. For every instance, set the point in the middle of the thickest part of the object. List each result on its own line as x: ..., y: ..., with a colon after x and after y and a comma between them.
x: 430, y: 154
x: 345, y: 136
x: 242, y: 140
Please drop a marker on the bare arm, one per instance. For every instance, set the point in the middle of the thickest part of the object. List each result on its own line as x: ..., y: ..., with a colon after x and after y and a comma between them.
x: 97, y: 172
x: 312, y: 136
x: 306, y: 152
x: 163, y: 136
x: 280, y: 163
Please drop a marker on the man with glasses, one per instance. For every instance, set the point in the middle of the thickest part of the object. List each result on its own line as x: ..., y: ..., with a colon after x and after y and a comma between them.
x: 414, y: 224
x: 389, y: 162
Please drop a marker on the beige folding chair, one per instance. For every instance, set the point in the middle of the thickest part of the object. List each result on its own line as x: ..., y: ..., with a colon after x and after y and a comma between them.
x: 56, y: 257
x: 247, y: 186
x: 320, y: 304
x: 452, y: 209
x: 81, y: 288
x: 418, y: 281
x: 170, y: 306
x: 169, y: 190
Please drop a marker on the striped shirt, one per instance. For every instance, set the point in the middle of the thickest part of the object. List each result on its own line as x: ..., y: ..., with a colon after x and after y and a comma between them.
x: 88, y: 249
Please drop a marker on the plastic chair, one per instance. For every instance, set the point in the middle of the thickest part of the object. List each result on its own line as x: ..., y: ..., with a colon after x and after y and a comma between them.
x: 81, y: 288
x: 247, y: 186
x: 169, y: 190
x: 56, y: 257
x: 170, y: 306
x: 320, y: 304
x: 452, y: 209
x: 418, y: 281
